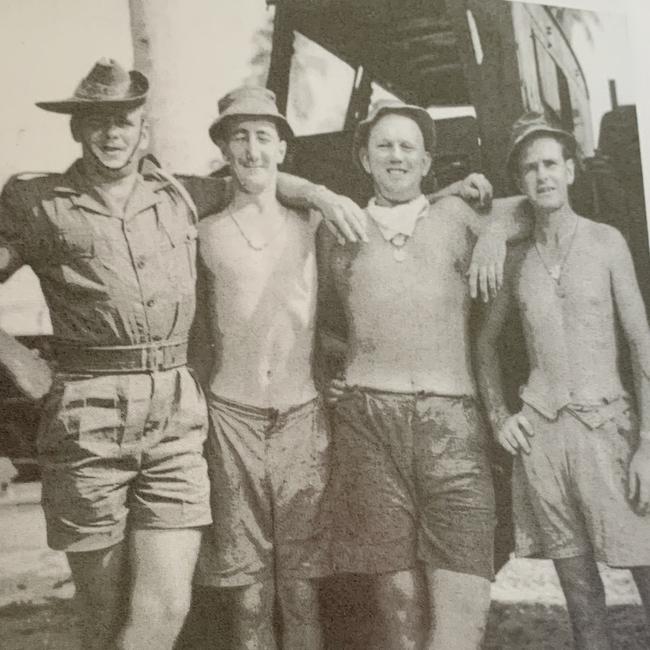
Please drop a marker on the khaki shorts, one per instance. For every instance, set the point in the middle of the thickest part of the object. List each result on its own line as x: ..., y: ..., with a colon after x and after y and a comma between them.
x: 269, y: 473
x: 118, y: 450
x: 412, y: 483
x: 569, y: 493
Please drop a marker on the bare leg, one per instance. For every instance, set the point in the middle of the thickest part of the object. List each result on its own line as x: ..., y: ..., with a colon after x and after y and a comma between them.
x: 459, y: 604
x: 162, y: 565
x: 400, y: 598
x: 585, y: 596
x: 101, y: 584
x: 641, y: 576
x: 253, y: 616
x: 301, y: 626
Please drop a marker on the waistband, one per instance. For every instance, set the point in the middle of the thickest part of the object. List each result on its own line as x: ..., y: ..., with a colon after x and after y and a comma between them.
x: 262, y: 412
x: 108, y: 359
x: 416, y: 394
x: 592, y: 414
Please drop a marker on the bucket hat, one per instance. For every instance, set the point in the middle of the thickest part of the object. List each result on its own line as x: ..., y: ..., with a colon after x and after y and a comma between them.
x: 533, y: 123
x: 108, y: 85
x: 386, y: 107
x: 249, y: 101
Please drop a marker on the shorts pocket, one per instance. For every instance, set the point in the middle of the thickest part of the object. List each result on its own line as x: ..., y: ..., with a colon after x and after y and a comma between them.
x: 82, y: 414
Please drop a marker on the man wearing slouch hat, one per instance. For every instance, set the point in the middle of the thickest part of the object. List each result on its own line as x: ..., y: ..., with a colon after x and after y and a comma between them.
x: 112, y: 241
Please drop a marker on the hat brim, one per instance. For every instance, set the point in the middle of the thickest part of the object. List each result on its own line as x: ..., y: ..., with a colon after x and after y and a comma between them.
x: 540, y: 133
x: 136, y: 97
x: 419, y: 115
x: 217, y: 129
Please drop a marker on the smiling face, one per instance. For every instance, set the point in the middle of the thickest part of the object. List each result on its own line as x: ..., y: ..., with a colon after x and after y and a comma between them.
x: 545, y: 175
x: 254, y: 150
x: 396, y: 159
x: 111, y: 137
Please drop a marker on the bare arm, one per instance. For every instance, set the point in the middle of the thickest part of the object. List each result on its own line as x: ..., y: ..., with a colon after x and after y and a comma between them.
x: 342, y: 215
x: 201, y: 348
x: 632, y: 314
x: 331, y: 321
x: 511, y: 431
x: 509, y: 220
x: 29, y: 372
x: 631, y: 311
x: 476, y: 189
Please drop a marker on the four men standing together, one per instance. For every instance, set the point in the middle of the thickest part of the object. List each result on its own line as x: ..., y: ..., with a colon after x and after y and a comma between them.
x: 400, y: 487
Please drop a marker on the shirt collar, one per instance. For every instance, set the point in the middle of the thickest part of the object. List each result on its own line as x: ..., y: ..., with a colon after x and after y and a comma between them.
x: 145, y: 194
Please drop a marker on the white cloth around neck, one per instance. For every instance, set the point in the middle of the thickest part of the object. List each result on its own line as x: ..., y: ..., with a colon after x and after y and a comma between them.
x: 398, y: 219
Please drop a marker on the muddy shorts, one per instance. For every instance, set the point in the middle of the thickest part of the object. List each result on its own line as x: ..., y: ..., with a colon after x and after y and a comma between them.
x: 569, y: 493
x: 269, y: 473
x: 411, y: 483
x: 118, y: 450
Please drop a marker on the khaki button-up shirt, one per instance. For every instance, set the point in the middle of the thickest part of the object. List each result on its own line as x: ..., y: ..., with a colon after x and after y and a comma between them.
x: 107, y: 279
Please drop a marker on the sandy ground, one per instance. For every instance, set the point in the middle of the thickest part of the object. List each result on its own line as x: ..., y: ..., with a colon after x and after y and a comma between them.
x: 37, y: 608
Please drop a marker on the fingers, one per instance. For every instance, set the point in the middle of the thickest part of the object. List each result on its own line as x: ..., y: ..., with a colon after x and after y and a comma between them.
x: 514, y: 435
x: 343, y: 225
x: 359, y: 220
x: 335, y: 231
x: 473, y: 280
x: 479, y: 189
x: 632, y: 484
x: 335, y: 390
x: 348, y: 218
x: 483, y: 285
x: 525, y: 425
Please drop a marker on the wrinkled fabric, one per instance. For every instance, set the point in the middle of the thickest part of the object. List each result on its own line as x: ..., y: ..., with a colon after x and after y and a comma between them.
x: 269, y: 476
x: 411, y: 483
x: 107, y: 280
x: 569, y: 493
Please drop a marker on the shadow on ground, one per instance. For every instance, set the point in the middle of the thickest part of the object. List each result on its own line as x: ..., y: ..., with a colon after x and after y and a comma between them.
x: 50, y: 625
x: 351, y: 623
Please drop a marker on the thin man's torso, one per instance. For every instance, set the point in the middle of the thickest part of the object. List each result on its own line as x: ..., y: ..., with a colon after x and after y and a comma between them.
x: 570, y: 326
x: 262, y: 308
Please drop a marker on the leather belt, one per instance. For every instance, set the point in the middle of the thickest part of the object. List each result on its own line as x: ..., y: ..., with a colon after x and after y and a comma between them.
x: 149, y: 357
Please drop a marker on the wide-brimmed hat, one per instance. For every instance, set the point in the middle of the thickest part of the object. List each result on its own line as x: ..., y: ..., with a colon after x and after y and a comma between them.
x: 249, y: 101
x: 528, y: 125
x: 107, y: 85
x: 385, y: 107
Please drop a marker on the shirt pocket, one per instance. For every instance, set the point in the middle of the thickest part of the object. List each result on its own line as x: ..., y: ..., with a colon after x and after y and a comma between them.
x: 76, y: 243
x: 178, y: 251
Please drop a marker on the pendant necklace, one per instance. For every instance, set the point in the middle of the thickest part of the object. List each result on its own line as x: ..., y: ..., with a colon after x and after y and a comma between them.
x: 554, y: 271
x: 251, y: 244
x: 398, y: 242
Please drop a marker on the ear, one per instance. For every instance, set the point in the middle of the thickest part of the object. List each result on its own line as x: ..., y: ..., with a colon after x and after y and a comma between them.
x: 428, y: 160
x: 365, y: 162
x: 144, y: 134
x: 75, y: 128
x: 571, y: 170
x: 282, y: 151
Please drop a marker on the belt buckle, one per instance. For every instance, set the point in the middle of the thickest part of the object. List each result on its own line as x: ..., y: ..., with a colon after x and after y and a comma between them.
x: 154, y: 359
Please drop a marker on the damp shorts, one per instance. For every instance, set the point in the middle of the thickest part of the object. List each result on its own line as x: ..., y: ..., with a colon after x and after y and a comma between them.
x: 411, y: 483
x: 569, y: 493
x: 269, y: 474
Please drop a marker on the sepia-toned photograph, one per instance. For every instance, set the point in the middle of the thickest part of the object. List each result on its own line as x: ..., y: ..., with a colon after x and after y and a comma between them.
x: 324, y: 325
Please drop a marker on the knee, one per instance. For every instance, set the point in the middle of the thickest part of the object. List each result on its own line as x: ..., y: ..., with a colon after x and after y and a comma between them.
x: 254, y: 602
x: 162, y: 610
x: 402, y: 590
x: 298, y: 598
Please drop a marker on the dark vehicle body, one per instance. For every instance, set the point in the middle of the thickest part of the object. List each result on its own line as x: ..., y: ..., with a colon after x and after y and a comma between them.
x: 495, y: 58
x: 490, y: 60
